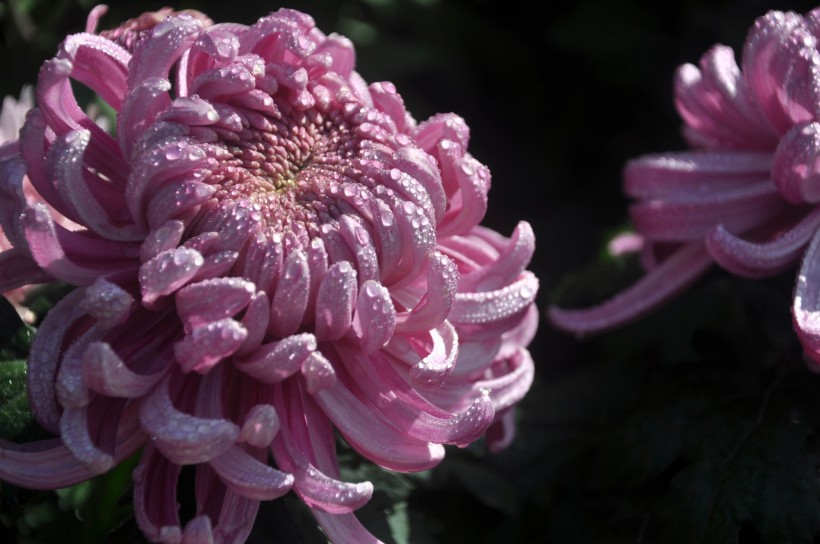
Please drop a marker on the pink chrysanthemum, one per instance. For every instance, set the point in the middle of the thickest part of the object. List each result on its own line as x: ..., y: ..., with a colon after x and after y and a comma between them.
x: 746, y: 196
x: 271, y: 250
x: 12, y: 117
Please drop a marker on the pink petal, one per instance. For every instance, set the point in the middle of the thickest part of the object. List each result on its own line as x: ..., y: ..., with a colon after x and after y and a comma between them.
x: 672, y: 276
x: 18, y: 270
x: 410, y: 411
x: 44, y: 358
x: 154, y: 56
x: 46, y: 249
x: 290, y: 299
x: 155, y: 497
x: 671, y: 175
x: 387, y: 239
x: 207, y: 345
x: 46, y: 464
x: 489, y: 306
x: 276, y: 361
x: 108, y: 303
x: 255, y: 321
x: 161, y: 239
x: 387, y: 100
x: 375, y: 318
x: 777, y: 62
x: 335, y: 302
x: 795, y: 169
x: 694, y: 215
x: 439, y: 362
x: 177, y: 201
x: 183, y: 438
x: 422, y: 168
x: 211, y: 300
x: 360, y: 243
x: 717, y: 106
x: 435, y: 306
x: 469, y: 204
x: 761, y: 259
x: 167, y: 272
x: 75, y: 434
x: 507, y: 267
x: 248, y: 477
x: 327, y: 494
x: 260, y: 426
x: 318, y: 373
x: 344, y: 528
x: 142, y: 105
x: 374, y: 438
x: 198, y: 531
x: 299, y: 447
x: 104, y: 372
x: 806, y: 305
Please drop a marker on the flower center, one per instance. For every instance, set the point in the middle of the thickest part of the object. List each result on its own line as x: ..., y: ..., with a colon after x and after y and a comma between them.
x: 289, y: 167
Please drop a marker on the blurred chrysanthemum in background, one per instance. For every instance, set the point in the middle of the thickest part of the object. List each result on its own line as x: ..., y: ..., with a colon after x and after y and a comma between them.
x: 268, y: 249
x: 746, y: 195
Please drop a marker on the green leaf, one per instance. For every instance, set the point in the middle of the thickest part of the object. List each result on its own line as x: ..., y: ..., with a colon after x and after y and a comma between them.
x: 104, y: 507
x: 399, y: 523
x: 17, y: 423
x: 15, y: 336
x: 43, y: 297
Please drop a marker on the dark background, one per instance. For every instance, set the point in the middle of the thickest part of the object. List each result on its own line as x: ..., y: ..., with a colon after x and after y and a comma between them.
x: 697, y: 424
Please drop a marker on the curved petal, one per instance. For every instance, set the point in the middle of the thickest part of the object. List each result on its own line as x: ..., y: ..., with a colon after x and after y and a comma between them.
x: 46, y: 464
x: 250, y: 478
x: 694, y: 215
x: 206, y: 346
x: 674, y: 274
x: 44, y: 358
x: 278, y: 360
x: 374, y: 438
x: 344, y: 528
x: 671, y: 175
x: 155, y: 497
x: 762, y: 259
x: 183, y: 438
x: 806, y: 304
x: 795, y: 169
x: 435, y: 305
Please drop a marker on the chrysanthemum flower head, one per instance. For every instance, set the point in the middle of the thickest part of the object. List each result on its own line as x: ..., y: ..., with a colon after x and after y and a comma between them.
x: 746, y: 195
x: 271, y: 251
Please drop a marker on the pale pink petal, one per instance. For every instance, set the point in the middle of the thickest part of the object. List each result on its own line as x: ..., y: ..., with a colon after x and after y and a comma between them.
x: 374, y: 438
x: 197, y: 303
x: 181, y: 437
x: 344, y: 528
x: 374, y: 319
x: 46, y: 464
x: 795, y: 169
x: 207, y: 345
x: 155, y: 497
x: 661, y: 284
x: 761, y: 259
x: 261, y: 426
x: 694, y: 215
x: 104, y: 372
x: 806, y: 304
x: 278, y: 360
x: 248, y: 477
x: 290, y: 299
x: 335, y: 302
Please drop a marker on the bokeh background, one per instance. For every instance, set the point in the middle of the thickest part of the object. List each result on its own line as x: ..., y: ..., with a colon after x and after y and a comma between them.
x: 697, y: 424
